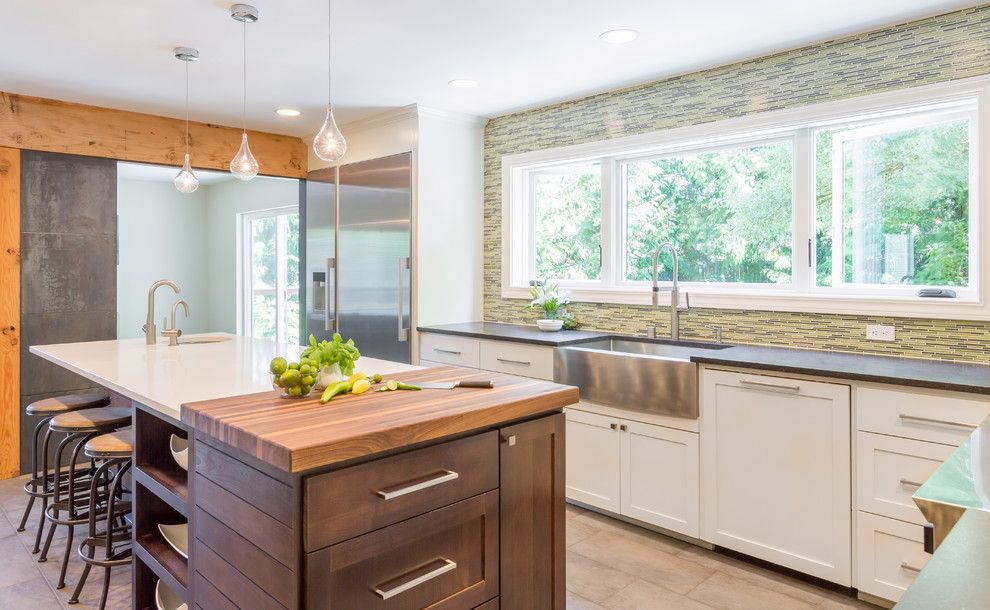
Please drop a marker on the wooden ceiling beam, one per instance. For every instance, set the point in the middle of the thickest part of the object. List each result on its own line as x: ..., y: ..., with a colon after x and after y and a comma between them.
x: 35, y: 123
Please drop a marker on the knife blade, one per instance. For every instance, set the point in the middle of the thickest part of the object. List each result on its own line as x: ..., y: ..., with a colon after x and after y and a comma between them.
x: 450, y: 385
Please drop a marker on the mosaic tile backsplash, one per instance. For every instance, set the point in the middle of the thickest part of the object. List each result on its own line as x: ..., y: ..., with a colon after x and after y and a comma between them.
x: 938, y: 49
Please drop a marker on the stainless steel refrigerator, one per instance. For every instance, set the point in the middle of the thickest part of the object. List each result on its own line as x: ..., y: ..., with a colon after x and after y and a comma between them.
x: 357, y: 258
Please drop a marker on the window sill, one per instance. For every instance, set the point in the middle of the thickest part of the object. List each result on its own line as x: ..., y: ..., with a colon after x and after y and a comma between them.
x: 788, y: 301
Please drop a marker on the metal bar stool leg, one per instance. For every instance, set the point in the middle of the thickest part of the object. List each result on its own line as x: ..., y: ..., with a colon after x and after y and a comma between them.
x: 94, y: 493
x: 35, y: 476
x: 44, y: 497
x: 114, y: 489
x: 52, y: 512
x: 71, y: 507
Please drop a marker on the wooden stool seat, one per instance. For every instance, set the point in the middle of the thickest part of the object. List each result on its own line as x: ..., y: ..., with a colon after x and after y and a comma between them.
x: 94, y: 420
x: 69, y: 402
x: 117, y: 444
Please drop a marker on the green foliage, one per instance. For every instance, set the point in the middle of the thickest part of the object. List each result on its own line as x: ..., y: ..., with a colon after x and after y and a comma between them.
x: 553, y: 302
x: 338, y: 352
x: 568, y: 224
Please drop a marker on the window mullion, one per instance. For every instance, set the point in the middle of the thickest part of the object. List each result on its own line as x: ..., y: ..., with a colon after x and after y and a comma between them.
x: 607, y: 203
x: 803, y: 212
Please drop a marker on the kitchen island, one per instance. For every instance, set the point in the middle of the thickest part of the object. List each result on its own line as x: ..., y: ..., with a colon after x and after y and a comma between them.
x: 437, y: 498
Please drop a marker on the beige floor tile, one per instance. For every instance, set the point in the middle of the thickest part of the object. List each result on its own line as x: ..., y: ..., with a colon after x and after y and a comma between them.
x: 732, y: 593
x: 574, y: 511
x: 775, y: 581
x: 576, y: 602
x: 644, y: 559
x: 642, y: 595
x: 838, y: 601
x: 592, y: 580
x: 578, y: 530
x: 18, y: 565
x: 31, y: 594
x: 621, y: 528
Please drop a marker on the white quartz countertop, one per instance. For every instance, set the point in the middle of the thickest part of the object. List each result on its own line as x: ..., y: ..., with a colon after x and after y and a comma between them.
x: 164, y: 377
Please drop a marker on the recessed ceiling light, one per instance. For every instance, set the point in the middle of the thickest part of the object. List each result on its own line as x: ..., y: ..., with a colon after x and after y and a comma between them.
x: 463, y: 83
x: 618, y: 36
x: 287, y: 112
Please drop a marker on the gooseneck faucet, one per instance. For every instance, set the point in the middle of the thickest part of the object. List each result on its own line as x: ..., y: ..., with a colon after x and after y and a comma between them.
x: 173, y: 333
x: 149, y: 329
x: 675, y: 293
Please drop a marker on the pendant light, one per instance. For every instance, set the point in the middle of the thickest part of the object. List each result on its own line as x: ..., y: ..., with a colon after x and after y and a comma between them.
x: 244, y: 166
x: 329, y: 144
x: 186, y: 181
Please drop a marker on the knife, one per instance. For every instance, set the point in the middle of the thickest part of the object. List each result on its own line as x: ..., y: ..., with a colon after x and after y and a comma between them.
x: 450, y: 385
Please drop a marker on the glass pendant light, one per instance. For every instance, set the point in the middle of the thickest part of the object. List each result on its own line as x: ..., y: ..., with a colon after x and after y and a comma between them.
x: 244, y: 166
x: 186, y: 181
x: 329, y: 144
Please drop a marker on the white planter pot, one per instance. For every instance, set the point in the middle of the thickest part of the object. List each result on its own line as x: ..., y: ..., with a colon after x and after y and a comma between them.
x: 329, y: 374
x: 550, y: 325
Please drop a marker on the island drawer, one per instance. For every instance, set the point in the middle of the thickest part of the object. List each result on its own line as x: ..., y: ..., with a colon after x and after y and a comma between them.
x: 447, y: 558
x: 890, y: 554
x: 349, y: 502
x: 922, y: 415
x: 459, y: 351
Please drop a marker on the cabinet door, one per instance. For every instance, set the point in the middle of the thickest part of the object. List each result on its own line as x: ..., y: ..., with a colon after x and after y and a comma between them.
x: 593, y: 455
x: 531, y: 494
x: 660, y: 476
x: 776, y: 471
x: 890, y: 554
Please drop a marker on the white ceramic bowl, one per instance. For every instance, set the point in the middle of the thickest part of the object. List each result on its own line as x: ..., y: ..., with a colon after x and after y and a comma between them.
x: 165, y: 599
x: 550, y: 325
x: 177, y: 536
x: 180, y: 450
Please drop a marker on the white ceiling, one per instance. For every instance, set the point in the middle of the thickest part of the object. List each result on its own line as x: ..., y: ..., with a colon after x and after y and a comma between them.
x: 390, y: 53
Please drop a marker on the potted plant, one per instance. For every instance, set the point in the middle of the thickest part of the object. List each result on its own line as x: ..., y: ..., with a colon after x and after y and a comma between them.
x: 553, y: 302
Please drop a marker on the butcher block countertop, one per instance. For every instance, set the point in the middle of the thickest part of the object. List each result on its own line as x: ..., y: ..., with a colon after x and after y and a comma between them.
x: 297, y: 435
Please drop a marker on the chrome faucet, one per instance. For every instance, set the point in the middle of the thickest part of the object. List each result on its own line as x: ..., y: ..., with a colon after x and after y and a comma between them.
x: 675, y: 292
x: 174, y: 333
x: 149, y: 326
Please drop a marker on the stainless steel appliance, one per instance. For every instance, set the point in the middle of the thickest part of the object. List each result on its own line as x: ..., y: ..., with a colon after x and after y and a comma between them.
x: 358, y: 249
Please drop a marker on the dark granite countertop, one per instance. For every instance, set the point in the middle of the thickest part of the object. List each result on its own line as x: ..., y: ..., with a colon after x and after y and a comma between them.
x: 958, y: 575
x: 515, y: 332
x: 859, y: 367
x: 840, y: 365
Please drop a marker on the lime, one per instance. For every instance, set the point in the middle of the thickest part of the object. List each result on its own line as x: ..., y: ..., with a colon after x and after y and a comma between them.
x: 278, y: 365
x: 308, y: 380
x: 305, y: 369
x: 290, y: 378
x: 293, y: 366
x: 295, y: 391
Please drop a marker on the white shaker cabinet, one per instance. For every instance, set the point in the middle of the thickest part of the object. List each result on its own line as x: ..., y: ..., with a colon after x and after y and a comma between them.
x: 639, y: 470
x: 775, y: 471
x: 592, y: 459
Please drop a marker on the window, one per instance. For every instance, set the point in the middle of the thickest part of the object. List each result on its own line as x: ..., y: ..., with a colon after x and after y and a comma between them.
x: 270, y: 274
x: 857, y: 201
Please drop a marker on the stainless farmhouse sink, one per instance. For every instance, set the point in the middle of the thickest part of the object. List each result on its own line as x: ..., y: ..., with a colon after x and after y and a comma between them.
x: 638, y: 374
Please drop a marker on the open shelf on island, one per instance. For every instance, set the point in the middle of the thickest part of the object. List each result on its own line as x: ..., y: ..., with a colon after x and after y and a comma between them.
x: 154, y: 464
x: 149, y: 544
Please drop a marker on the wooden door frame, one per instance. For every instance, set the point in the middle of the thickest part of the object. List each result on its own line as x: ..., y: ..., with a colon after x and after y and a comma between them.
x: 10, y: 312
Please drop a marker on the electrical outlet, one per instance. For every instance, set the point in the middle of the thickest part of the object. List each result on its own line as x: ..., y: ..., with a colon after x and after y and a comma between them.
x: 879, y: 332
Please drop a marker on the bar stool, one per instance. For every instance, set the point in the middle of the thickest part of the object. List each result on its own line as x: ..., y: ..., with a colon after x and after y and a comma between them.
x: 39, y: 485
x: 114, y: 451
x: 79, y: 427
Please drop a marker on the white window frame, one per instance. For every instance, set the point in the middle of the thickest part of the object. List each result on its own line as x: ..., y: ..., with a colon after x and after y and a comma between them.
x: 245, y: 274
x: 798, y: 126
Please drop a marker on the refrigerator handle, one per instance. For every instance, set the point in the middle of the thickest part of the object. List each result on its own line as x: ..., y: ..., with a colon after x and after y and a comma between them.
x: 331, y: 302
x: 403, y: 331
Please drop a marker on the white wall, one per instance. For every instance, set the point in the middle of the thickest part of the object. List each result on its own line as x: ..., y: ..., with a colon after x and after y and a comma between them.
x: 224, y: 202
x: 162, y: 234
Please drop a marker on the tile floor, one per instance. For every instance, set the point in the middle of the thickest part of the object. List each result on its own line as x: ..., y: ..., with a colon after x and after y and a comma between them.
x: 610, y: 565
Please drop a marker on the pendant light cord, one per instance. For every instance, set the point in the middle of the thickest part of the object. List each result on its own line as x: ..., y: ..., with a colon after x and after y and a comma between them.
x: 329, y: 56
x: 244, y: 98
x: 187, y: 107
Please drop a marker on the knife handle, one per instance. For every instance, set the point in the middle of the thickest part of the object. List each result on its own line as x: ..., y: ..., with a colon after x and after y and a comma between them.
x: 487, y: 383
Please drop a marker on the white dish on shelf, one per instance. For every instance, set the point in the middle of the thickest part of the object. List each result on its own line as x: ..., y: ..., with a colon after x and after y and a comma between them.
x: 166, y: 599
x: 550, y: 326
x: 177, y: 537
x: 180, y: 451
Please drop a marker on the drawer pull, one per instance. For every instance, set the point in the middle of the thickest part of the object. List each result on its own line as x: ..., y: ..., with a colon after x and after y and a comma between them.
x: 452, y: 352
x: 447, y: 566
x: 770, y: 387
x: 930, y: 420
x: 910, y: 568
x: 910, y: 483
x: 446, y: 475
x: 507, y: 361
